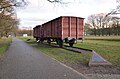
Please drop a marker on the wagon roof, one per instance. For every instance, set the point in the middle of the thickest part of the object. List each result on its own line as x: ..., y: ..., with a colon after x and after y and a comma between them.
x: 62, y: 17
x: 72, y: 16
x: 37, y: 26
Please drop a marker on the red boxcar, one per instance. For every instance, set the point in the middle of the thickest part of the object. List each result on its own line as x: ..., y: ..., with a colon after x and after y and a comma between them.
x: 36, y: 31
x: 64, y: 28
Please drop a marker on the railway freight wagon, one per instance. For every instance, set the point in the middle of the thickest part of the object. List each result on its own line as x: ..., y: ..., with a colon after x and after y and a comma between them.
x: 36, y: 32
x: 62, y: 29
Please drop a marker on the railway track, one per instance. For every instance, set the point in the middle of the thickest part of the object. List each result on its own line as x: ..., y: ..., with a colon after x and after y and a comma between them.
x: 76, y: 49
x: 73, y: 49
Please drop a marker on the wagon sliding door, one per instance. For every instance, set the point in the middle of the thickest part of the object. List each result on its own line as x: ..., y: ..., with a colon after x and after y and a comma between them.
x: 65, y: 26
x: 72, y: 27
x: 56, y: 28
x: 80, y: 27
x: 76, y: 27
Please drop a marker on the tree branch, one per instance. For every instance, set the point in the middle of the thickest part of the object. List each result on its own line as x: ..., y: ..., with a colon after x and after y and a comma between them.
x: 115, y: 11
x: 7, y: 6
x: 53, y: 1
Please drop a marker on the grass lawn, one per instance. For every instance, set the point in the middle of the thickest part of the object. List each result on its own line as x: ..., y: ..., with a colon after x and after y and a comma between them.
x: 65, y: 56
x: 62, y: 55
x: 4, y: 44
x: 106, y: 38
x: 108, y: 47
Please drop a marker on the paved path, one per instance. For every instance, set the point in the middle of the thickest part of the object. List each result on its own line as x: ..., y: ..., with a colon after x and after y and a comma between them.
x: 22, y: 61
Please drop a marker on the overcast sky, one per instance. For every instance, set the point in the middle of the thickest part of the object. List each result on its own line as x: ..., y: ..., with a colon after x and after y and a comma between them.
x: 41, y: 11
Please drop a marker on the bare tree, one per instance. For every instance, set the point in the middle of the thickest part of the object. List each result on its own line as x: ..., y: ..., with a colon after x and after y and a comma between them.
x: 116, y: 10
x: 99, y: 23
x: 115, y: 25
x: 107, y: 25
x: 7, y: 24
x: 92, y: 22
x: 4, y: 4
x: 103, y: 22
x: 87, y: 29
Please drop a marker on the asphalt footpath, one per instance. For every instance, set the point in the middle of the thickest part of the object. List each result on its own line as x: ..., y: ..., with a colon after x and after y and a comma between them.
x: 21, y: 61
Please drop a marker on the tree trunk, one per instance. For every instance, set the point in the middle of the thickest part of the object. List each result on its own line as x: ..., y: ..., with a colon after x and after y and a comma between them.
x: 117, y: 28
x: 109, y: 30
x: 94, y: 31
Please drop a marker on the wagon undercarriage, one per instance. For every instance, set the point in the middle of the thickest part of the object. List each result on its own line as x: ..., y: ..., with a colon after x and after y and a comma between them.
x: 58, y: 41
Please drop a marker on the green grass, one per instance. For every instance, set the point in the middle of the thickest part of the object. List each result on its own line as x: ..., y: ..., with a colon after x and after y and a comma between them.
x: 108, y: 47
x: 4, y: 44
x: 105, y: 38
x: 31, y: 41
x: 65, y: 56
x: 62, y: 55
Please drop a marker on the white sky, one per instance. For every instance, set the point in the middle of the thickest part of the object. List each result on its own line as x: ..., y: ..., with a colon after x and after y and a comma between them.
x: 41, y: 11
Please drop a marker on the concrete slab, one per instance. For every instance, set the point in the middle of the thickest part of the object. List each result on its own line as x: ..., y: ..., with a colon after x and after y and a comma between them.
x: 97, y: 60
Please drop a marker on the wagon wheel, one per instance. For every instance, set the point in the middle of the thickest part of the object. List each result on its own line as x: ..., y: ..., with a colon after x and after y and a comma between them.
x: 41, y: 40
x: 71, y: 44
x: 49, y: 41
x: 57, y: 41
x: 60, y: 42
x: 36, y: 39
